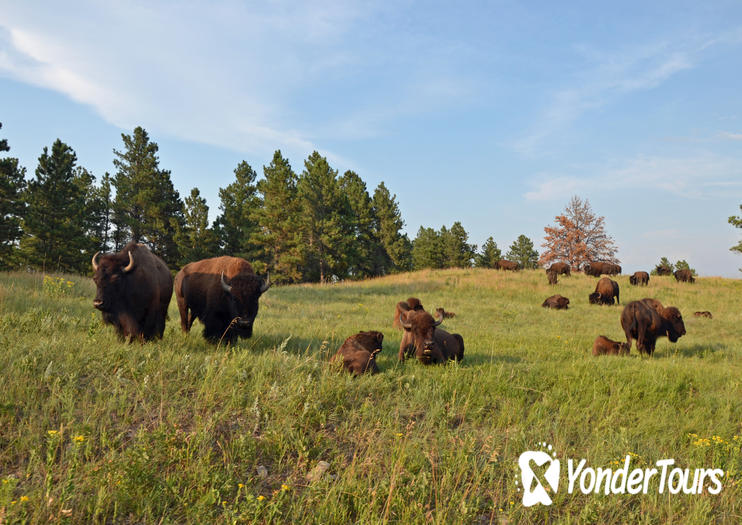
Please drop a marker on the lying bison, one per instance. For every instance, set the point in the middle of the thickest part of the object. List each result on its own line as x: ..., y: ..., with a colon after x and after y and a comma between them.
x: 646, y: 320
x: 428, y: 343
x: 412, y: 303
x: 440, y: 312
x: 639, y: 279
x: 605, y: 346
x: 551, y: 276
x: 133, y: 291
x: 596, y: 269
x: 561, y: 268
x: 358, y: 353
x: 223, y: 294
x: 685, y: 276
x: 504, y: 264
x: 557, y: 302
x: 605, y: 291
x: 705, y: 313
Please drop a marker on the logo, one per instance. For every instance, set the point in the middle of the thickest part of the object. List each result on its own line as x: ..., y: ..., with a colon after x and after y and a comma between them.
x: 538, y: 470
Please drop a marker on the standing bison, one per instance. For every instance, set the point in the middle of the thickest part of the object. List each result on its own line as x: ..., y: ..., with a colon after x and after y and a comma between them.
x: 134, y: 288
x: 639, y: 279
x: 504, y: 264
x: 685, y: 276
x: 423, y: 339
x: 223, y: 294
x: 646, y: 320
x: 560, y: 268
x: 596, y: 269
x: 605, y: 291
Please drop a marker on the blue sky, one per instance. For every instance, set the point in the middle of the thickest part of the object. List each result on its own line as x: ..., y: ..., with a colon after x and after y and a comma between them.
x: 491, y: 113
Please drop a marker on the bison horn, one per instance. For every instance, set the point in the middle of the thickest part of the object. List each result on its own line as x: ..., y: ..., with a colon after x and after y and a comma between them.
x: 227, y: 288
x: 440, y: 319
x: 405, y: 325
x: 95, y: 265
x: 266, y: 284
x: 129, y: 267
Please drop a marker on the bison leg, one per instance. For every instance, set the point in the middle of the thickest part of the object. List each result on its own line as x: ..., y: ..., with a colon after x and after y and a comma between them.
x: 186, y: 317
x: 403, y: 345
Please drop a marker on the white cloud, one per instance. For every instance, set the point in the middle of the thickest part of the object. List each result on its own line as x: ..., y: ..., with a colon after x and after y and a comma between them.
x: 730, y: 136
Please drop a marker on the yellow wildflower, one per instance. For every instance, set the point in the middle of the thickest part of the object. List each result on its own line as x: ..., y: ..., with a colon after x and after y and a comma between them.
x: 24, y: 499
x: 52, y: 432
x: 284, y: 487
x: 240, y: 485
x: 261, y: 497
x: 80, y: 438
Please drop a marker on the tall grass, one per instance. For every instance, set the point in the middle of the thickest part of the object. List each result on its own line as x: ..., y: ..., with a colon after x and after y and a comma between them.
x: 179, y: 431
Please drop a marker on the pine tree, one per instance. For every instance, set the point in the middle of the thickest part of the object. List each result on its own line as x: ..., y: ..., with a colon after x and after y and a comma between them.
x: 489, y: 255
x: 195, y: 239
x: 237, y: 226
x: 396, y: 244
x: 427, y: 249
x: 457, y: 252
x: 12, y: 207
x: 522, y: 252
x: 578, y: 238
x: 368, y: 257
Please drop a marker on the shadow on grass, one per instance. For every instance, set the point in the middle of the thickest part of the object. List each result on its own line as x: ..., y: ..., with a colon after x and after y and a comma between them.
x: 694, y: 350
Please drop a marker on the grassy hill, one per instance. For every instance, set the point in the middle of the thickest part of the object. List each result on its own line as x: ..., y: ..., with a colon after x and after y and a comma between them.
x: 180, y: 431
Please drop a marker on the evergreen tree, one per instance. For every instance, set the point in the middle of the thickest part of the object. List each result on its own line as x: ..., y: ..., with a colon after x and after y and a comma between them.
x: 489, y: 255
x: 427, y: 249
x: 396, y: 244
x: 12, y: 206
x: 237, y: 226
x: 457, y: 252
x: 195, y: 239
x: 368, y: 257
x: 736, y: 221
x: 279, y: 234
x: 325, y: 221
x: 102, y: 210
x: 522, y: 252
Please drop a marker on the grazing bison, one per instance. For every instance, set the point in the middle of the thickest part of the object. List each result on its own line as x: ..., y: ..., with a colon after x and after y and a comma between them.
x: 425, y: 341
x: 605, y: 346
x: 222, y: 293
x: 605, y: 291
x: 705, y: 313
x: 134, y: 288
x: 551, y: 276
x: 560, y: 268
x: 504, y: 264
x: 661, y: 269
x: 639, y: 279
x: 557, y: 301
x: 358, y: 353
x: 412, y: 303
x: 440, y: 312
x: 646, y: 320
x: 596, y: 269
x: 685, y: 276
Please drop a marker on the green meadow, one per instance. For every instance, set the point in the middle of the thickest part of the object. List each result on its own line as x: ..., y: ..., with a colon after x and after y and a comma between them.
x: 179, y: 431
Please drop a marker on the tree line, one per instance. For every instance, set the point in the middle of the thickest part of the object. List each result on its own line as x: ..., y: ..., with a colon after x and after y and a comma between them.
x: 316, y: 225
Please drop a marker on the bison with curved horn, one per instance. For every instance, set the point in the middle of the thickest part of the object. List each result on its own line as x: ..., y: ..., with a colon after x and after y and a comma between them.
x: 423, y: 339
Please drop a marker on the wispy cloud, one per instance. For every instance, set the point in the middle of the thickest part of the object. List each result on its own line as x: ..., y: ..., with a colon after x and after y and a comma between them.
x: 730, y: 136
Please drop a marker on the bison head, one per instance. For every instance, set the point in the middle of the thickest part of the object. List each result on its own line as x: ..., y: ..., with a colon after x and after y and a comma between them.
x: 243, y: 292
x: 595, y: 298
x: 422, y: 327
x: 109, y: 277
x: 673, y: 323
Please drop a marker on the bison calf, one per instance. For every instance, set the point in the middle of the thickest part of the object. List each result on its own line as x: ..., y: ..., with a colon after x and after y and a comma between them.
x: 557, y: 302
x: 639, y: 279
x: 705, y: 313
x: 605, y: 346
x: 358, y: 352
x: 605, y: 291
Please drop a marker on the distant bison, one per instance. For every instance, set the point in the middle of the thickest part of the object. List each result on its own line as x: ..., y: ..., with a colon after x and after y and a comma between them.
x: 646, y: 320
x: 358, y: 353
x: 705, y: 313
x: 561, y: 268
x: 133, y: 291
x: 412, y: 303
x: 605, y: 291
x: 605, y: 346
x: 504, y: 264
x: 596, y: 269
x: 685, y: 276
x: 428, y: 343
x: 557, y: 301
x: 223, y: 293
x: 639, y: 279
x: 440, y: 312
x: 662, y: 269
x: 552, y: 277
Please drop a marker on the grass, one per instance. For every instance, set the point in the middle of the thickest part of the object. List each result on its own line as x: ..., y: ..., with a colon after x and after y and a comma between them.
x: 178, y: 431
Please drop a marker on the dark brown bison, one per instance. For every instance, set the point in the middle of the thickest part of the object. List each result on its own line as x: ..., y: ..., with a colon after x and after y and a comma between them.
x: 557, y: 301
x: 134, y: 288
x: 561, y: 268
x: 685, y: 276
x: 605, y: 291
x: 661, y: 269
x: 639, y: 279
x: 423, y: 339
x: 504, y: 264
x: 551, y: 276
x: 223, y: 294
x: 705, y: 313
x: 605, y: 346
x: 412, y: 303
x: 440, y: 312
x: 596, y: 269
x: 646, y: 320
x: 358, y: 353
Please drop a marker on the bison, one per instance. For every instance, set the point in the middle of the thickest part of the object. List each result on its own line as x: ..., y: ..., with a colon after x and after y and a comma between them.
x: 551, y: 276
x: 223, y: 293
x: 596, y: 269
x: 358, y: 352
x: 685, y: 276
x: 605, y: 291
x: 423, y: 339
x: 134, y: 288
x: 639, y: 279
x: 440, y: 312
x: 705, y: 313
x: 646, y: 320
x: 557, y: 302
x: 605, y: 346
x: 504, y: 264
x: 412, y: 303
x: 662, y: 269
x: 561, y: 268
